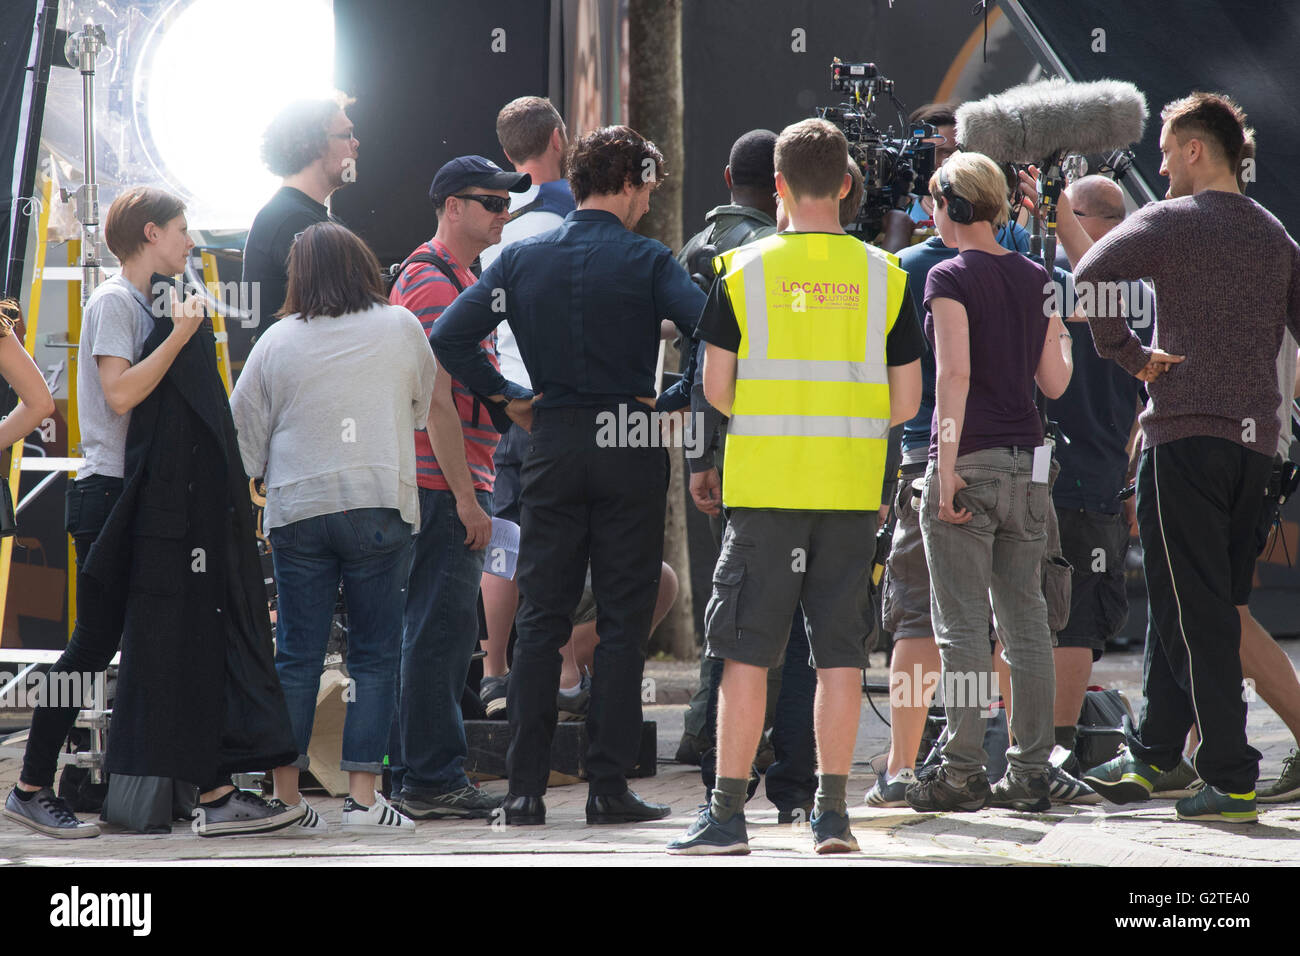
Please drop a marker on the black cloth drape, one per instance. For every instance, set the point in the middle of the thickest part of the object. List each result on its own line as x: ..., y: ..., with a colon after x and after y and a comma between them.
x: 197, y: 692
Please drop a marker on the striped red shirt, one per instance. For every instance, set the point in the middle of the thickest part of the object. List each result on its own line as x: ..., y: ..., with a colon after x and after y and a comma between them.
x: 424, y: 290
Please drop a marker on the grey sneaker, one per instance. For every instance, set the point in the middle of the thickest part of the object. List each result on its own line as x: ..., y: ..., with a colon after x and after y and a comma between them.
x: 936, y: 793
x: 575, y: 706
x: 890, y: 791
x: 244, y: 813
x: 467, y: 803
x: 1014, y: 792
x: 46, y: 812
x: 1286, y: 787
x: 1180, y: 782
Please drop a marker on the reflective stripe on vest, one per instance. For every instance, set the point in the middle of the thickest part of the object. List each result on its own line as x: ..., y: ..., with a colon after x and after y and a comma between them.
x: 811, y: 417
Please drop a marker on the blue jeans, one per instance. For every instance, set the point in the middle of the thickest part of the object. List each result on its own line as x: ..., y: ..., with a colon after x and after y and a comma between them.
x: 440, y: 633
x: 369, y: 548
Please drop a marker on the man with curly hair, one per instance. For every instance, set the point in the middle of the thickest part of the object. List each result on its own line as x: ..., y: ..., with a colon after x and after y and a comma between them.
x: 585, y: 302
x: 310, y: 143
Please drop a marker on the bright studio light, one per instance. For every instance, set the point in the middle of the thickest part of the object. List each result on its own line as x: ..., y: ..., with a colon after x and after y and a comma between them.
x: 218, y: 71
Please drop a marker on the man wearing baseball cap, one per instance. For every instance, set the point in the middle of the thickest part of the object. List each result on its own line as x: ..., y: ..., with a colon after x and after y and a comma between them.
x: 455, y: 474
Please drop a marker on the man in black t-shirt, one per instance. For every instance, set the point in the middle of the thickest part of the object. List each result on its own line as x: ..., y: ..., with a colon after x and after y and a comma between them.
x: 310, y: 143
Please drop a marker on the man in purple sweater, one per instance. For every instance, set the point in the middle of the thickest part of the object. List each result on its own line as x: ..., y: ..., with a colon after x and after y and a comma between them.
x: 1227, y: 280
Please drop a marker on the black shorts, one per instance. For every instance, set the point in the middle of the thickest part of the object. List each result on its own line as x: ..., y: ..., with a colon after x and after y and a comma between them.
x: 1096, y: 545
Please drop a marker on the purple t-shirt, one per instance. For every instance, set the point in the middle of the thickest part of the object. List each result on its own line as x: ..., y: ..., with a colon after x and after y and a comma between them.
x: 1006, y: 299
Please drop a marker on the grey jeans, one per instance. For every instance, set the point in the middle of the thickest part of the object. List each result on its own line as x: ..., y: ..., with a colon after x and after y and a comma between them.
x: 999, y: 552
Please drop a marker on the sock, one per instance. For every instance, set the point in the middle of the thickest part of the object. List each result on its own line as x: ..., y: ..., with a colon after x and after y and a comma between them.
x: 728, y: 798
x: 832, y: 794
x: 219, y: 802
x: 25, y: 795
x: 1066, y: 737
x: 571, y: 692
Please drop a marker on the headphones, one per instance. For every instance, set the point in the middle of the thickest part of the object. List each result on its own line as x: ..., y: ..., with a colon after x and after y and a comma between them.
x: 959, y: 210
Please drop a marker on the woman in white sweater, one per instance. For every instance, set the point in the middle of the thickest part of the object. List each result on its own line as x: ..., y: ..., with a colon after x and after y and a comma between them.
x: 326, y: 407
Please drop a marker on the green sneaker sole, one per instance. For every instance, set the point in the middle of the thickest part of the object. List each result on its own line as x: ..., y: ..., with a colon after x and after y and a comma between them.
x: 1130, y: 788
x: 1224, y: 816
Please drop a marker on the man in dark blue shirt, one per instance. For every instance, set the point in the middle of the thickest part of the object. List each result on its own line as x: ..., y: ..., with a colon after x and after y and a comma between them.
x: 585, y: 302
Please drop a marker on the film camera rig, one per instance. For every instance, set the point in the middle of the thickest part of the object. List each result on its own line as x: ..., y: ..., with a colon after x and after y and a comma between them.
x: 892, y: 166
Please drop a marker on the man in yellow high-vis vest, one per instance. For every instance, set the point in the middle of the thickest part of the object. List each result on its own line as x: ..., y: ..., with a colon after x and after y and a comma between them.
x: 813, y: 349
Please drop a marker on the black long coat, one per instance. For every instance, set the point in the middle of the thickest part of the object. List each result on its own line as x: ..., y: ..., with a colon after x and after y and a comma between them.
x: 197, y: 692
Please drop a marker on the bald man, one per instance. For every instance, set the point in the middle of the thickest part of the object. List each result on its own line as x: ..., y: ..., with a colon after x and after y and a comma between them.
x: 1098, y: 414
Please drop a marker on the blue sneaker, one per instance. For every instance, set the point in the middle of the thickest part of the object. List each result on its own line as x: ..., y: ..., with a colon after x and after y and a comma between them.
x: 831, y: 833
x: 708, y: 837
x: 1211, y: 803
x: 1123, y: 778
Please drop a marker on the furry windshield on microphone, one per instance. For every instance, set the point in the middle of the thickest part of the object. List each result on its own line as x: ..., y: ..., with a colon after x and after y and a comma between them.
x: 1031, y: 122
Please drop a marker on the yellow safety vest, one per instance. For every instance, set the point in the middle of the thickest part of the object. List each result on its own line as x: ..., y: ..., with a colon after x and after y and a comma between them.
x: 809, y: 427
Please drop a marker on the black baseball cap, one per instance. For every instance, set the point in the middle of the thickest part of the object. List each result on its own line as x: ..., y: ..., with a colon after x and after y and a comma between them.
x: 466, y: 171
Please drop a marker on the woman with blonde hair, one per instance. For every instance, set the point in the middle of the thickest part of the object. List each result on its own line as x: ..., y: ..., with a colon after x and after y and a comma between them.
x: 984, y: 509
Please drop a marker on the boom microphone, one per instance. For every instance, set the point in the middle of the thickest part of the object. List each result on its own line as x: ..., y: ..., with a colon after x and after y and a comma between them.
x: 1041, y: 122
x: 1031, y: 122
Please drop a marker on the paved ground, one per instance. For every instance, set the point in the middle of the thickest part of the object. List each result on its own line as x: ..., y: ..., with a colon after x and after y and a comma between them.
x: 1090, y: 836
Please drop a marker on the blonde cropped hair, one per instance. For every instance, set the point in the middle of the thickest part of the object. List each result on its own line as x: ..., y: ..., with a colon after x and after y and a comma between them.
x: 980, y: 181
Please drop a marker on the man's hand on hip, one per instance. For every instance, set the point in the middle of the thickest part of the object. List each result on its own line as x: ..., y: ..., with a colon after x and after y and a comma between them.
x: 478, y: 525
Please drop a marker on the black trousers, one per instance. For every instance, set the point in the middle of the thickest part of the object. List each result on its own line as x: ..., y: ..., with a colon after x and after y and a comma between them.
x: 1198, y: 506
x: 583, y: 502
x: 95, y: 636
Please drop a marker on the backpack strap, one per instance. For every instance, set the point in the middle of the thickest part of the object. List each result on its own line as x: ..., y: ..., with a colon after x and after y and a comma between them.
x: 441, y: 264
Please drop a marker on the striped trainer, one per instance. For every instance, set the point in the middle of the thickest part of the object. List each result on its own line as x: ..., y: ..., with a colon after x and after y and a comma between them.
x: 380, y: 817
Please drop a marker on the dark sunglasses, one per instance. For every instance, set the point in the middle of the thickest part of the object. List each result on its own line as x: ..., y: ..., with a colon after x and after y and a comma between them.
x: 493, y: 204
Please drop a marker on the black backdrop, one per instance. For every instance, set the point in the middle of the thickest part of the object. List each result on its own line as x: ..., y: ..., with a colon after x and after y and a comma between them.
x: 17, y: 24
x: 1249, y: 49
x: 428, y: 86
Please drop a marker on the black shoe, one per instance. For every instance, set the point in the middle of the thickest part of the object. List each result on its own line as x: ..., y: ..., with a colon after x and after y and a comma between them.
x: 626, y: 807
x: 523, y: 811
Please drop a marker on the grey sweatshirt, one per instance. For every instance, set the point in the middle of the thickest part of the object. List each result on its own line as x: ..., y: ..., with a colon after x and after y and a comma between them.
x: 327, y: 411
x: 1227, y: 280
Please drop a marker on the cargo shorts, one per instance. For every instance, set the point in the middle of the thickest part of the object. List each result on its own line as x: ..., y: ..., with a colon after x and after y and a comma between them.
x: 774, y: 561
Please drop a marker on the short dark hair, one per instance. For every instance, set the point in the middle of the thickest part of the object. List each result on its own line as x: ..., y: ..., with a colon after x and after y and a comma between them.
x: 131, y: 212
x: 1211, y: 117
x: 296, y: 138
x: 331, y: 272
x: 605, y: 160
x: 813, y: 157
x: 525, y: 125
x: 852, y: 200
x: 936, y: 114
x: 752, y: 159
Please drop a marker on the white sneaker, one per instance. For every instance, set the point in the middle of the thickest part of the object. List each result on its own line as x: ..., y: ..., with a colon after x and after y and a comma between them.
x: 311, y: 824
x: 379, y: 818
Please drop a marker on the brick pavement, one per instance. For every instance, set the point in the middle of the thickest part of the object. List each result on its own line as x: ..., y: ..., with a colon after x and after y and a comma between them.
x: 1146, y: 835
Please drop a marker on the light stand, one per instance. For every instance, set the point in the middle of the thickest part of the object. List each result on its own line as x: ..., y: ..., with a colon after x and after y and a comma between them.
x: 83, y: 49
